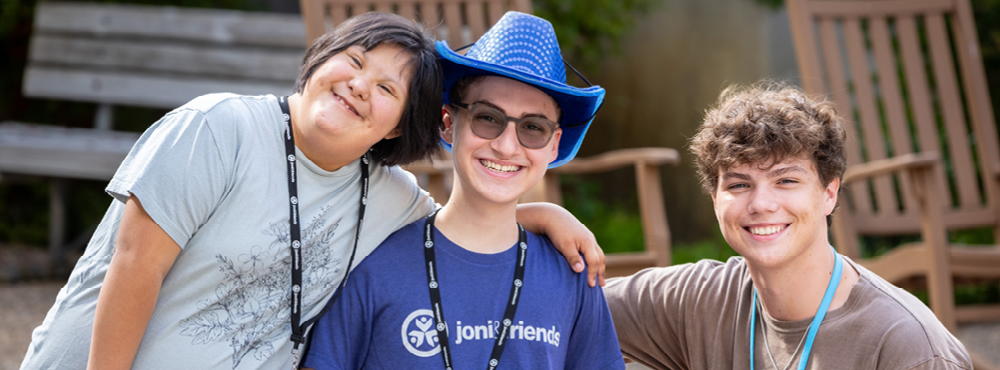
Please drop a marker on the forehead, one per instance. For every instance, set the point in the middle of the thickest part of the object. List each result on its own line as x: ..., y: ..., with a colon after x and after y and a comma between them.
x: 514, y: 97
x: 772, y: 168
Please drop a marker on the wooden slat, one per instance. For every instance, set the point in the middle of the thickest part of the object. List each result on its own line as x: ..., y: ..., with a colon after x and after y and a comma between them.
x: 63, y: 152
x: 806, y: 52
x: 935, y: 240
x: 876, y: 8
x: 980, y: 107
x: 974, y: 313
x: 899, y: 263
x: 906, y: 162
x: 434, y: 18
x: 408, y: 10
x: 202, y: 25
x: 654, y: 217
x: 919, y: 93
x: 951, y: 107
x: 474, y: 15
x: 978, y: 262
x: 895, y: 225
x: 453, y: 23
x: 838, y: 84
x: 313, y: 19
x: 135, y: 89
x: 382, y: 7
x: 619, y: 158
x: 523, y: 6
x: 338, y: 12
x: 857, y: 59
x: 168, y: 57
x: 878, y: 224
x: 892, y: 100
x: 495, y: 10
x: 625, y: 264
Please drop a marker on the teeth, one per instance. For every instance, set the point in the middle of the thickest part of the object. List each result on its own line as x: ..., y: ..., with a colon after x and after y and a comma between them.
x: 765, y: 230
x: 499, y: 167
x: 346, y: 105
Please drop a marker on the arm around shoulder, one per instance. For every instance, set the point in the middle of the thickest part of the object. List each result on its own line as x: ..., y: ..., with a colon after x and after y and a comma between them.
x: 568, y: 235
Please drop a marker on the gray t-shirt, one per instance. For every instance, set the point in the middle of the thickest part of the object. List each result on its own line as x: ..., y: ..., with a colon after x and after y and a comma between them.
x: 213, y: 175
x: 696, y: 316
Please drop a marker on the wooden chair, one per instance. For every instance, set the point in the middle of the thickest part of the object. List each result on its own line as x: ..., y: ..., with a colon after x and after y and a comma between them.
x: 922, y: 141
x: 461, y: 22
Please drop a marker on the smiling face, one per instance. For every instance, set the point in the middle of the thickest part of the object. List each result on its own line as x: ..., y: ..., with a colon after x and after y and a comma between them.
x: 499, y: 170
x: 774, y: 216
x: 352, y: 101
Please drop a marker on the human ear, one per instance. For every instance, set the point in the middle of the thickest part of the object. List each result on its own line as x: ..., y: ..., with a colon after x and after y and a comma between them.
x: 396, y: 132
x: 555, y: 144
x: 830, y: 196
x: 448, y: 132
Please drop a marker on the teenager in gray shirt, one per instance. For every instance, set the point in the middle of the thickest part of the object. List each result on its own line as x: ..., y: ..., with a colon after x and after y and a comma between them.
x: 772, y: 160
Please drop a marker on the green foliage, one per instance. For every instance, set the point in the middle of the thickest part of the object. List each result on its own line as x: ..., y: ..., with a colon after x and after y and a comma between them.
x: 588, y: 29
x: 24, y: 213
x: 987, y: 15
x: 772, y: 4
x: 616, y: 227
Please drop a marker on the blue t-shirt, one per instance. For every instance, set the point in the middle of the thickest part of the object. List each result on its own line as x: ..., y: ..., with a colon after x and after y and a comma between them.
x: 383, y: 318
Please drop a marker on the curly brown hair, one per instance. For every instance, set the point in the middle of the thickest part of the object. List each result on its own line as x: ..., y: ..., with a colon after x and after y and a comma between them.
x: 766, y: 124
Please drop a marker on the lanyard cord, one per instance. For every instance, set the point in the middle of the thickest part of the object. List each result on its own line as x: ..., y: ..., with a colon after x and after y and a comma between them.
x: 438, y: 308
x: 831, y: 288
x: 295, y: 231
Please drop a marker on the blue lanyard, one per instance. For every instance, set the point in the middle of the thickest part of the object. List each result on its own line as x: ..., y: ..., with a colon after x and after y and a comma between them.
x: 831, y: 288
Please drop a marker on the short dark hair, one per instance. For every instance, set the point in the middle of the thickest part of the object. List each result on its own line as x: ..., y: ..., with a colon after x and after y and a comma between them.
x: 766, y: 124
x: 420, y: 123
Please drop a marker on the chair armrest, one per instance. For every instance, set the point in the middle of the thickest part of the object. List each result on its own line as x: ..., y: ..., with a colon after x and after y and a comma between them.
x: 619, y: 158
x: 890, y: 165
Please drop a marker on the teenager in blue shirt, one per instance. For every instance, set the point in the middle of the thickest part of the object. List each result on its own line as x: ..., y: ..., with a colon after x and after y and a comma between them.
x: 467, y: 287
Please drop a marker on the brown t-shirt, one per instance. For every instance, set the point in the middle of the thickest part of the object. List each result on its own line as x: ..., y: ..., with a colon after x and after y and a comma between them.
x: 697, y: 316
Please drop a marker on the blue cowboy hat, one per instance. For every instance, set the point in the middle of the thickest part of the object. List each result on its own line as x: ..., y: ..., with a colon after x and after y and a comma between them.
x: 523, y: 47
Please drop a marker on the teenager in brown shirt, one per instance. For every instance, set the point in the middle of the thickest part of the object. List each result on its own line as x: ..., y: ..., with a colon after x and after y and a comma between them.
x: 772, y: 160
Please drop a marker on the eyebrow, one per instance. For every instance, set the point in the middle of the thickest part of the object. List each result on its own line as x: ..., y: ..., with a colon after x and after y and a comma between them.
x: 494, y: 106
x: 782, y: 171
x: 774, y: 173
x: 735, y: 175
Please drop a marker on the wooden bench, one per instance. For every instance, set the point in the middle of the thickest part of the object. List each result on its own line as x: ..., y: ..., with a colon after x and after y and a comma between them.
x: 145, y: 56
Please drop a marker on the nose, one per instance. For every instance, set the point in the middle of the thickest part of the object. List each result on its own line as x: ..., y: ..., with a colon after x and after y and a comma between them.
x: 506, y: 145
x: 360, y: 87
x: 762, y: 200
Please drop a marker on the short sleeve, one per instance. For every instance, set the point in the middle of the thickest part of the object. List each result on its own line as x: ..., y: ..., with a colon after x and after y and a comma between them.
x: 593, y: 344
x: 177, y: 172
x: 646, y: 310
x: 940, y: 363
x: 340, y: 339
x: 396, y: 201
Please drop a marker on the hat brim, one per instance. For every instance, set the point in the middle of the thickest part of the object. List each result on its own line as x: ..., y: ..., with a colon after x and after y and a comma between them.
x: 578, y: 105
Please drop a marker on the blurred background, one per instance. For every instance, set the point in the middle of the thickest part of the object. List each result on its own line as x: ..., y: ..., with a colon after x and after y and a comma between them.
x: 663, y: 63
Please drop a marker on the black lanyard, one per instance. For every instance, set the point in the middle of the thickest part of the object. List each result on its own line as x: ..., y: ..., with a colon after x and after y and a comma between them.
x: 299, y: 329
x: 438, y: 308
